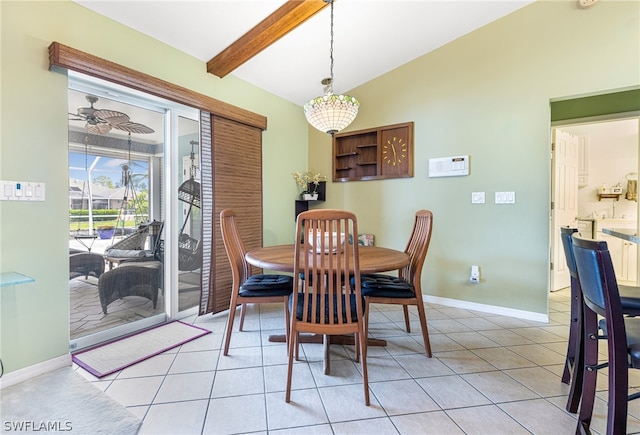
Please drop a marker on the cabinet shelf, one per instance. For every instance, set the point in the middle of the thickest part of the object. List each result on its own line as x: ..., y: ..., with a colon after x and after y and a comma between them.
x: 368, y: 154
x: 615, y: 196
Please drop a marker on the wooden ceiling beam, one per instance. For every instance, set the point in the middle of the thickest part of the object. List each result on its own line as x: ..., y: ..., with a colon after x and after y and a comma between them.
x: 286, y: 18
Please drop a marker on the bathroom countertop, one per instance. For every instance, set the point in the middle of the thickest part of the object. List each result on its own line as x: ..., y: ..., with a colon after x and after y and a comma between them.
x: 622, y: 233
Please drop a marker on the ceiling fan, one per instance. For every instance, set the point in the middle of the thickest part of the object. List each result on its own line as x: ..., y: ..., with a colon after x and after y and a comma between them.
x: 101, y: 121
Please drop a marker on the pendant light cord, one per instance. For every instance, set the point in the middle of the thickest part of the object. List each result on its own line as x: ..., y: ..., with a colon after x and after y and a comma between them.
x: 331, y: 49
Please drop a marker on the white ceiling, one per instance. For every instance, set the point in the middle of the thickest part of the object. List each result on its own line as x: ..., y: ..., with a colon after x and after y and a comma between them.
x: 370, y: 38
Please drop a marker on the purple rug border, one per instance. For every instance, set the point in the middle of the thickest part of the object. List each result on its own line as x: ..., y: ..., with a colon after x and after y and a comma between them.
x: 102, y: 375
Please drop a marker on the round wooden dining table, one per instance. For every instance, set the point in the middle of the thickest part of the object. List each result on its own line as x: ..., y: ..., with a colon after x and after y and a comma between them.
x: 373, y: 259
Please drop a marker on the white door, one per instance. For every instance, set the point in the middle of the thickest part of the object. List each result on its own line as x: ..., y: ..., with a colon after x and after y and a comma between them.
x: 564, y: 212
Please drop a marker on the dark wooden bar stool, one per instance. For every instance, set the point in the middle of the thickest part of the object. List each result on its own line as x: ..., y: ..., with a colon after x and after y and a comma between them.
x: 601, y: 297
x: 630, y: 302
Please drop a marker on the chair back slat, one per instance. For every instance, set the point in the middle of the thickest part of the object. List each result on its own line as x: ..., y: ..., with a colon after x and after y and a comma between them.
x: 233, y: 244
x: 327, y: 261
x: 417, y: 247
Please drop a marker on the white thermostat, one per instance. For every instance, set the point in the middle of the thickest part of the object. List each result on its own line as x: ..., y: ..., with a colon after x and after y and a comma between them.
x: 449, y: 166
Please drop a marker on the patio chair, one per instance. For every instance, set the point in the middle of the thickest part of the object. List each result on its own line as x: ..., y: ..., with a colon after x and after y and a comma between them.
x: 134, y: 246
x: 131, y: 279
x: 83, y: 263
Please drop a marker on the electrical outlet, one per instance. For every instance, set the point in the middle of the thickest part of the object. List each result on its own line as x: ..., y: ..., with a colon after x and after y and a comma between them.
x: 475, y: 274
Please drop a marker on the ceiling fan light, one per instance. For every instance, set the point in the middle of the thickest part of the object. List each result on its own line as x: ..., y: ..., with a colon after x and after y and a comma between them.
x: 331, y: 113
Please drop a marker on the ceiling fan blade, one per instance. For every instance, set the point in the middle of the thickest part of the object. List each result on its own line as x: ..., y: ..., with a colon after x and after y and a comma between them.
x: 133, y: 127
x: 75, y: 117
x: 111, y: 116
x: 286, y: 18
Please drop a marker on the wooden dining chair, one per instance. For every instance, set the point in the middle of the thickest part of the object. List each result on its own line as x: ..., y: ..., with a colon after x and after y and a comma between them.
x: 601, y: 297
x: 327, y: 301
x: 405, y: 289
x: 248, y: 287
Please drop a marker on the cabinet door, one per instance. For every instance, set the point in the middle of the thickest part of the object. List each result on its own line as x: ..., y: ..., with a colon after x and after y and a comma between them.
x: 615, y: 246
x: 583, y: 161
x: 629, y: 262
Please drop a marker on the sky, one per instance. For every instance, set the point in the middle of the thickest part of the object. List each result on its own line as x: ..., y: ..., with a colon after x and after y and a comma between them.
x: 106, y: 166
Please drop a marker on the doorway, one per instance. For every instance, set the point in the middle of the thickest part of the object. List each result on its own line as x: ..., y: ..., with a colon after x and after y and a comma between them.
x: 126, y: 151
x: 606, y: 161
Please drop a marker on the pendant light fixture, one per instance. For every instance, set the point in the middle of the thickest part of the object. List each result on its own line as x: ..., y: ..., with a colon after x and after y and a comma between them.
x: 331, y: 113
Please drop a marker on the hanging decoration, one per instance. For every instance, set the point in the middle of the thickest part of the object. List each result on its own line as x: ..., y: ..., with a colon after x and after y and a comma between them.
x: 189, y: 248
x: 331, y: 113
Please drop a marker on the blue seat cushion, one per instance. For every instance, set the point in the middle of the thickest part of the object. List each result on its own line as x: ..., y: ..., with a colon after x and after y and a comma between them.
x: 267, y: 285
x: 385, y: 286
x: 629, y: 298
x: 351, y: 306
x: 632, y: 327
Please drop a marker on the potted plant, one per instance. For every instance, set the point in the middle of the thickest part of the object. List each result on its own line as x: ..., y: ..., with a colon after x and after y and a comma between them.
x: 308, y: 183
x: 106, y: 231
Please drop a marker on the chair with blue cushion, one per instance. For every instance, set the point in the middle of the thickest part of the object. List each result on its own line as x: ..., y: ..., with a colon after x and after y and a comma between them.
x: 405, y: 289
x: 327, y: 301
x: 248, y: 287
x: 601, y: 297
x: 574, y: 363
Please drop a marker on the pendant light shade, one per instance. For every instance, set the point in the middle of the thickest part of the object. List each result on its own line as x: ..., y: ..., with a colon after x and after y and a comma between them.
x: 331, y: 113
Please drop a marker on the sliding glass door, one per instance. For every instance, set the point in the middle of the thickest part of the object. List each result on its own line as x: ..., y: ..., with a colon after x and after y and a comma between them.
x: 133, y: 235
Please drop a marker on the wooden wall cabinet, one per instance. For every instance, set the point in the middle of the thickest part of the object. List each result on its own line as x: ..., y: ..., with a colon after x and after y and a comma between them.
x: 373, y: 154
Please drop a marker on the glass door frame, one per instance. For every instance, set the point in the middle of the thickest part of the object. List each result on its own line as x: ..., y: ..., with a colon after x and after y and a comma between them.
x: 169, y: 184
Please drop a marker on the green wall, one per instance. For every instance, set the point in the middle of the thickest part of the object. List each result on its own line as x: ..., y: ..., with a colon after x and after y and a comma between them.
x: 34, y: 236
x: 488, y: 95
x: 595, y: 105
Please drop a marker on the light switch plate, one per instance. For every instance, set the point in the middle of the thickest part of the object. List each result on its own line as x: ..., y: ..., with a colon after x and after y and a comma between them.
x: 477, y: 197
x: 22, y: 191
x: 505, y: 198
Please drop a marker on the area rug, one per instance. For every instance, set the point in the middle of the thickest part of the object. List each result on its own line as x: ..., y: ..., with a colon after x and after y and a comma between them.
x: 116, y: 355
x: 63, y: 401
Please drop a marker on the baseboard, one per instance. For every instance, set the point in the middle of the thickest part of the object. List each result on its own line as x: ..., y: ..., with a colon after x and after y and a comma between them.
x: 519, y: 314
x: 29, y: 372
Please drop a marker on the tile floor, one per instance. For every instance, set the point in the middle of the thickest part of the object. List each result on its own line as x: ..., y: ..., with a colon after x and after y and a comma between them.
x: 489, y: 374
